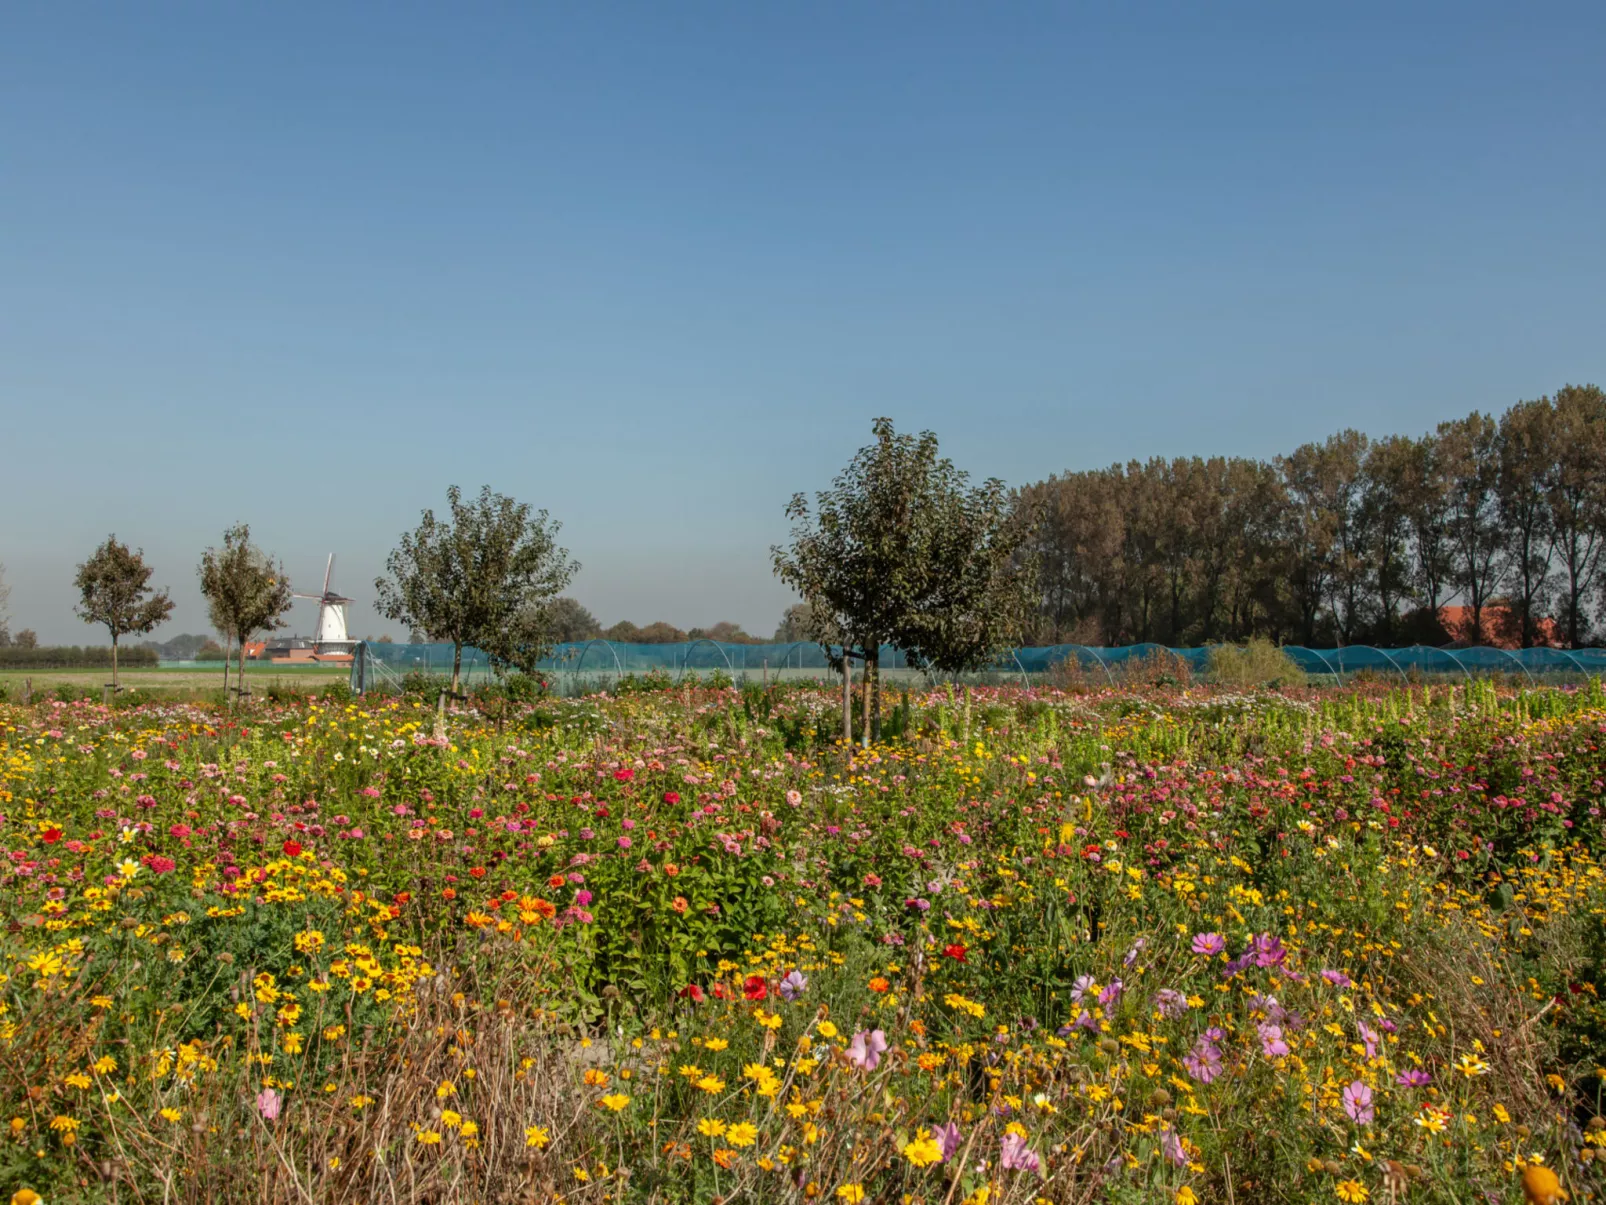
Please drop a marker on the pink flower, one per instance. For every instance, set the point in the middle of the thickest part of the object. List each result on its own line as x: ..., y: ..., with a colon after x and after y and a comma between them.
x: 268, y: 1104
x: 1208, y: 945
x: 1015, y: 1155
x: 1358, y: 1103
x: 866, y: 1049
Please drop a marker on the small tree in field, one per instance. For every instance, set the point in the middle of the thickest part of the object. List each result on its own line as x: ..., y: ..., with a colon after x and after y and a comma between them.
x: 114, y: 590
x: 485, y: 576
x: 246, y: 591
x: 902, y: 549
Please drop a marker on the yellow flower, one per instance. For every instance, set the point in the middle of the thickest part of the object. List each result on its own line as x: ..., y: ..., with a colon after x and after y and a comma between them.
x: 924, y: 1150
x: 827, y: 1030
x: 429, y: 1137
x: 615, y: 1101
x: 1470, y: 1065
x: 715, y: 1044
x: 536, y: 1136
x: 711, y: 1127
x: 711, y: 1084
x: 743, y: 1133
x: 172, y: 1115
x: 851, y: 1193
x: 105, y: 1065
x: 1350, y: 1190
x: 26, y: 1196
x: 1185, y: 1196
x: 450, y: 1119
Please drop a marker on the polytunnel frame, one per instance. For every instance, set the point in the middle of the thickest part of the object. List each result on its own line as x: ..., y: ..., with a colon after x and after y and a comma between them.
x: 1316, y: 653
x: 585, y: 651
x: 685, y: 656
x: 1369, y: 648
x: 1103, y: 664
x: 1579, y: 665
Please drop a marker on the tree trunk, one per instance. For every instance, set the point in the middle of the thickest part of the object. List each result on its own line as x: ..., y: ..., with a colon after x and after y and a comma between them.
x: 847, y: 697
x: 875, y: 697
x: 114, y: 662
x: 240, y: 688
x: 457, y: 666
x: 227, y: 641
x: 864, y: 701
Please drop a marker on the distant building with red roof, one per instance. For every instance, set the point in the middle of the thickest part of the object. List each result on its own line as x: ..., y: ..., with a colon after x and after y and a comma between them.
x: 1501, y: 628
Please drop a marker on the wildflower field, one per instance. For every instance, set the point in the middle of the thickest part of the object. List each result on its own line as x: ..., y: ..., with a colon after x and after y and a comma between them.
x: 1141, y: 945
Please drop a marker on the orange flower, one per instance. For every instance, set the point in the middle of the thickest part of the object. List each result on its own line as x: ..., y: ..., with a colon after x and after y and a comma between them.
x: 555, y: 881
x: 724, y: 1158
x: 680, y: 904
x: 1540, y: 1186
x: 878, y: 984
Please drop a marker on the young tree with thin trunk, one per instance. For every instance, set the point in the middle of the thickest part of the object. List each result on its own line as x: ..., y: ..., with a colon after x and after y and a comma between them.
x: 245, y: 589
x: 484, y: 577
x: 114, y: 591
x: 1471, y: 451
x: 1527, y: 465
x: 1577, y: 499
x: 902, y: 549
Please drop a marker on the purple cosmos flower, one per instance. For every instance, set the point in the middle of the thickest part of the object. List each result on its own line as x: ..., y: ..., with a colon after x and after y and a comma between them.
x: 948, y: 1138
x: 269, y: 1103
x: 1371, y: 1037
x: 1269, y: 950
x: 1208, y: 945
x: 1170, y: 1002
x: 1358, y: 1103
x: 1131, y: 955
x: 1016, y: 1156
x: 1084, y: 1020
x: 1414, y: 1078
x: 1080, y: 987
x: 792, y: 985
x: 1271, y: 1040
x: 866, y: 1049
x: 1275, y: 1012
x: 1111, y: 996
x: 1338, y: 979
x: 1203, y: 1062
x: 1171, y: 1146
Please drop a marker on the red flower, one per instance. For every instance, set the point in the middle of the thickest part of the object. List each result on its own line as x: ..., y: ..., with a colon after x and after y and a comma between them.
x: 623, y: 775
x: 754, y: 987
x: 477, y: 872
x: 692, y: 992
x: 50, y: 836
x: 955, y: 951
x: 721, y: 992
x: 671, y: 796
x: 292, y: 849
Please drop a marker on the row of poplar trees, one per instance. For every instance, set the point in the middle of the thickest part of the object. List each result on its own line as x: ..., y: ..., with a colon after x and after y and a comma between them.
x: 1348, y: 541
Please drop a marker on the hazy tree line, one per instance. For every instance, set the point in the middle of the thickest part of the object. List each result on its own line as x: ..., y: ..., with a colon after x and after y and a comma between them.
x: 1348, y: 541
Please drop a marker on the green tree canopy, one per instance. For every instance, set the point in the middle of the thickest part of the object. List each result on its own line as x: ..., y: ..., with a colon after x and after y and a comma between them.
x: 246, y: 591
x: 484, y: 576
x: 114, y: 590
x: 903, y: 550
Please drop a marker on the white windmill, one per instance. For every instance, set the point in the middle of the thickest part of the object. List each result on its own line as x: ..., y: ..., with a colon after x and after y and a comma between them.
x: 331, y: 633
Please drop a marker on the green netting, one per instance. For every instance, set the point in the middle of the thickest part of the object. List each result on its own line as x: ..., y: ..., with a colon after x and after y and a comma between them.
x: 380, y: 664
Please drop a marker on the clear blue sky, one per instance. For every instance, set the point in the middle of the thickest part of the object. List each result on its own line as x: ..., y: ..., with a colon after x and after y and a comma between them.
x: 656, y: 266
